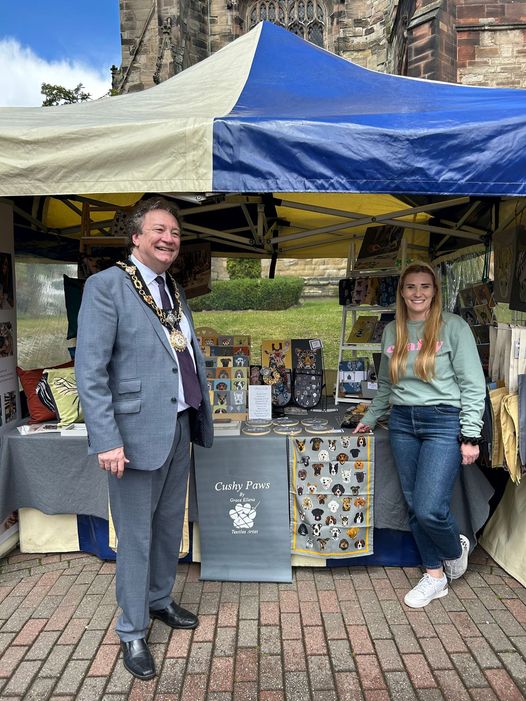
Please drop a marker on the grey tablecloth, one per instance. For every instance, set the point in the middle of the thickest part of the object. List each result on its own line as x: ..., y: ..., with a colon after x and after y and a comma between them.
x: 55, y: 475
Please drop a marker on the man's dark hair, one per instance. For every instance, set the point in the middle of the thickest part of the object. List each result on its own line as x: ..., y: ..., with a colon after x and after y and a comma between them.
x: 135, y: 218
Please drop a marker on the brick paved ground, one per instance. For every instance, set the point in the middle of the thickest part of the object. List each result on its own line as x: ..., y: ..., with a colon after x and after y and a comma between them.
x: 332, y: 634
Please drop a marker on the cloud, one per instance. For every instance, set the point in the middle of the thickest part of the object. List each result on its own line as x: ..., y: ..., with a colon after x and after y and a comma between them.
x: 22, y: 72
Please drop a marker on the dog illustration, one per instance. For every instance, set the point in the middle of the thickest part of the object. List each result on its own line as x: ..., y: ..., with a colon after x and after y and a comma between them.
x: 333, y: 506
x: 303, y: 530
x: 346, y: 476
x: 317, y: 513
x: 345, y: 520
x: 317, y: 467
x: 360, y: 544
x: 302, y: 474
x: 312, y: 488
x: 342, y: 457
x: 307, y: 503
x: 358, y: 518
x: 343, y: 544
x: 359, y: 501
x: 358, y: 465
x: 305, y: 459
x: 300, y: 491
x: 326, y: 482
x: 322, y: 498
x: 355, y: 490
x: 361, y: 442
x: 323, y: 542
x: 330, y: 521
x: 332, y: 444
x: 301, y: 445
x: 346, y: 504
x: 316, y: 443
x: 346, y: 442
x: 354, y: 452
x: 323, y: 456
x: 335, y: 532
x: 316, y: 529
x: 333, y: 468
x: 309, y: 543
x: 338, y: 490
x: 352, y: 532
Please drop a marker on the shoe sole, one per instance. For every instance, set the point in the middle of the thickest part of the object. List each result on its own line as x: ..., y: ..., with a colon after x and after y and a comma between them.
x: 142, y: 677
x: 444, y: 592
x: 160, y: 618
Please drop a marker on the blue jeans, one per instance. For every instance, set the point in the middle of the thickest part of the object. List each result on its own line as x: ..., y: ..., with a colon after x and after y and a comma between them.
x: 424, y: 443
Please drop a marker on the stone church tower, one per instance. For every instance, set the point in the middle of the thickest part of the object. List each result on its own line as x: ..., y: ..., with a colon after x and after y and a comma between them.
x: 476, y: 42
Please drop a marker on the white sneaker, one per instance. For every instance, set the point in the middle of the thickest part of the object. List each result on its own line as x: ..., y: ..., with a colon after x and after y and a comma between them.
x: 427, y: 589
x: 456, y: 568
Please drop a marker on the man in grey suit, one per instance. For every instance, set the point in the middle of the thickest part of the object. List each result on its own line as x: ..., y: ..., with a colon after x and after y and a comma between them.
x: 142, y: 385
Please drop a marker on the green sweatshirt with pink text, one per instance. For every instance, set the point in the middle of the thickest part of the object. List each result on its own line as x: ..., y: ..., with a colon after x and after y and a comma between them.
x: 458, y: 380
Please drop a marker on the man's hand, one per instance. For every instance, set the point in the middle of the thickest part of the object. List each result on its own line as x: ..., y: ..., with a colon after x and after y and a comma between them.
x: 113, y: 461
x: 362, y: 428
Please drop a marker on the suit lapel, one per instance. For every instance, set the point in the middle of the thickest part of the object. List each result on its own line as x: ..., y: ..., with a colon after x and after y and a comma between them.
x: 150, y: 315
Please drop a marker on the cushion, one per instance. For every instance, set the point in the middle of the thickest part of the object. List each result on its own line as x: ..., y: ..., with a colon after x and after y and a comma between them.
x: 73, y: 289
x: 63, y: 386
x: 29, y: 380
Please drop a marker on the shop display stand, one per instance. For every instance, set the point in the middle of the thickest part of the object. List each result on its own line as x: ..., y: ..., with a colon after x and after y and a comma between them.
x: 350, y: 351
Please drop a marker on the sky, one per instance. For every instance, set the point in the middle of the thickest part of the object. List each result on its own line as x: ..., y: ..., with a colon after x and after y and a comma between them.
x: 63, y: 42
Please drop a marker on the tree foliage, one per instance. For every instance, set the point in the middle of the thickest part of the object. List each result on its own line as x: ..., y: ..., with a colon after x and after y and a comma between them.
x: 242, y: 268
x: 59, y: 95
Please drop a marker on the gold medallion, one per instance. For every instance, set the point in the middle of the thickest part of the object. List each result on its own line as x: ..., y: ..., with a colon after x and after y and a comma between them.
x: 177, y: 340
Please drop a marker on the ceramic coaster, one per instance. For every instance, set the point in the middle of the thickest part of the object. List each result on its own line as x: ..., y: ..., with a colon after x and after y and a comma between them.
x: 314, y: 422
x: 287, y: 430
x: 255, y: 430
x: 322, y: 429
x: 261, y: 423
x: 285, y: 421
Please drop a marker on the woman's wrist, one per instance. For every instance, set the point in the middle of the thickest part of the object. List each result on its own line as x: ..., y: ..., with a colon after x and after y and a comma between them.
x: 469, y: 440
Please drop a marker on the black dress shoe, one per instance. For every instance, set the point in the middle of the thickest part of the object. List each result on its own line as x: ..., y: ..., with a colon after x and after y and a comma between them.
x: 138, y: 659
x: 176, y: 617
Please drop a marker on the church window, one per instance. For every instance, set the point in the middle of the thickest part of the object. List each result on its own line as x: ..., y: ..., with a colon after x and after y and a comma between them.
x: 306, y: 18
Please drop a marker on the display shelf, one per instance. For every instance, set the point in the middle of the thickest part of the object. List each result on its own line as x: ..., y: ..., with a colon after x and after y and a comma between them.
x: 353, y: 349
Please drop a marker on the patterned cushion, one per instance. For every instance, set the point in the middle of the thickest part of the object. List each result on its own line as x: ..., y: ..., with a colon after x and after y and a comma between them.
x: 29, y: 380
x: 63, y: 387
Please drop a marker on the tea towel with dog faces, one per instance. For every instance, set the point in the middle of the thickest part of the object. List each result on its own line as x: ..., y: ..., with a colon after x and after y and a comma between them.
x: 331, y: 495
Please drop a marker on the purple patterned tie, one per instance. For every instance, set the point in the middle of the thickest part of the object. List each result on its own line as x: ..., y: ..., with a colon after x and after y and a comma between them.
x: 191, y: 387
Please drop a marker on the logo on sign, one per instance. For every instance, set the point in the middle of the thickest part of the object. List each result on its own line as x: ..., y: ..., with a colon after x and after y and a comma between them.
x: 243, y: 515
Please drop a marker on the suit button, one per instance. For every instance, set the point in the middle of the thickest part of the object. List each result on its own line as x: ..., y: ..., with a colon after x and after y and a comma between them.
x: 174, y: 399
x: 174, y: 370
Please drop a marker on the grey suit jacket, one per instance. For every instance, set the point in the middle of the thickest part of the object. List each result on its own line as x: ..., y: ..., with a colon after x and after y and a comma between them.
x: 127, y: 376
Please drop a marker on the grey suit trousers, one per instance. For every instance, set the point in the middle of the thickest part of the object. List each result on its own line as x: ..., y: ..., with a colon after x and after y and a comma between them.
x: 148, y: 510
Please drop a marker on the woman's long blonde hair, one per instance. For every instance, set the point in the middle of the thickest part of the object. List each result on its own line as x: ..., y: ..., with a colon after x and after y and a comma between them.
x: 424, y: 366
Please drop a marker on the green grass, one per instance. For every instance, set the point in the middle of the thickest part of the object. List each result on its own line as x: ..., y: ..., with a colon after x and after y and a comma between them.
x: 312, y: 319
x: 42, y: 342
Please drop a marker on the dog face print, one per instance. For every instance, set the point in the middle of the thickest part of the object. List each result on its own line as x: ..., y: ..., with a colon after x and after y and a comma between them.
x: 342, y: 457
x: 301, y: 445
x: 303, y: 530
x: 305, y: 459
x: 338, y: 490
x: 352, y: 532
x: 358, y: 518
x: 322, y: 498
x: 346, y: 476
x: 333, y: 506
x: 359, y: 544
x: 345, y: 520
x: 300, y: 491
x: 330, y: 520
x: 317, y: 467
x: 302, y: 474
x: 317, y: 513
x: 307, y: 503
x: 309, y: 543
x: 361, y: 442
x: 333, y: 468
x: 332, y: 445
x: 312, y: 488
x: 326, y: 482
x: 323, y: 543
x: 359, y: 502
x: 346, y: 504
x: 316, y: 529
x: 323, y: 456
x: 343, y: 544
x: 355, y: 489
x: 358, y: 465
x: 335, y: 532
x: 316, y: 443
x: 345, y: 442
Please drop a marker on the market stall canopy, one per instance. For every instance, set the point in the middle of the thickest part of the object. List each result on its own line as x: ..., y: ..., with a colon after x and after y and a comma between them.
x: 271, y: 113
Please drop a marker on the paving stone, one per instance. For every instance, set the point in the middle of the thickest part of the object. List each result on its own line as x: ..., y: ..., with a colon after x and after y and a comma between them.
x: 400, y: 687
x: 5, y: 641
x: 405, y: 638
x: 56, y: 661
x: 43, y: 645
x: 314, y: 638
x: 228, y: 614
x: 225, y: 642
x: 171, y: 678
x: 450, y: 638
x: 361, y: 642
x: 270, y: 672
x: 92, y: 689
x: 496, y: 638
x: 291, y: 626
x: 436, y: 654
x: 246, y: 665
x: 245, y: 691
x: 22, y: 678
x: 71, y: 677
x: 469, y: 671
x: 483, y: 653
x: 199, y: 658
x: 10, y: 660
x: 516, y: 666
x: 503, y: 685
x: 249, y: 607
x: 297, y: 687
x: 88, y: 644
x: 451, y: 685
x: 294, y: 656
x: 419, y: 671
x: 341, y: 656
x: 270, y: 639
x: 509, y: 625
x: 348, y: 686
x: 209, y: 603
x: 369, y: 672
x: 430, y: 695
x: 194, y: 687
x: 247, y: 634
x: 40, y: 689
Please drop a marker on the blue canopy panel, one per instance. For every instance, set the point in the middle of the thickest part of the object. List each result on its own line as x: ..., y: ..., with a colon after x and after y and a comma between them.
x: 310, y: 121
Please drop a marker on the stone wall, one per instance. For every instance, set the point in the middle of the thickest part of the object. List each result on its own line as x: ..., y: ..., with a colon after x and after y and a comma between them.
x: 492, y: 43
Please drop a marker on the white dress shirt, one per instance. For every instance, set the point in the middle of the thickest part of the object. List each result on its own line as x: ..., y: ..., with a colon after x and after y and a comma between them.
x: 149, y: 276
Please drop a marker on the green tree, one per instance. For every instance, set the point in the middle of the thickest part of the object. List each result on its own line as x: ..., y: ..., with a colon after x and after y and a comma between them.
x: 59, y: 95
x: 242, y: 268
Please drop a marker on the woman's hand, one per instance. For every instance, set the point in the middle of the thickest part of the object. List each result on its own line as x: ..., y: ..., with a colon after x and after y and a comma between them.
x: 362, y: 428
x: 469, y: 453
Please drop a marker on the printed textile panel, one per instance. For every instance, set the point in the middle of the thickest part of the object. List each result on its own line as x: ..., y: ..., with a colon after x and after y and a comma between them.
x: 332, y: 495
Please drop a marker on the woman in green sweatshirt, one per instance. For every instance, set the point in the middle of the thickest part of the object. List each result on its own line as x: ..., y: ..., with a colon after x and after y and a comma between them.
x: 430, y: 375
